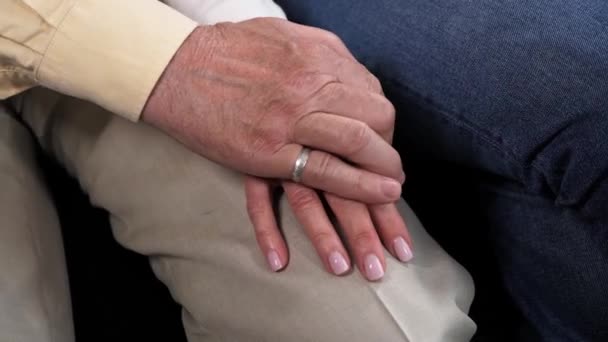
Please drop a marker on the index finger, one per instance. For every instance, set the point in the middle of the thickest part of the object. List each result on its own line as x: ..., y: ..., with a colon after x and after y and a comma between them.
x: 324, y: 171
x: 349, y: 139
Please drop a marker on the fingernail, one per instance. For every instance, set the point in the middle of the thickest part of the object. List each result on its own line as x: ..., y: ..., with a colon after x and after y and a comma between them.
x: 403, y: 251
x: 337, y: 263
x: 274, y: 261
x: 391, y: 188
x: 373, y: 267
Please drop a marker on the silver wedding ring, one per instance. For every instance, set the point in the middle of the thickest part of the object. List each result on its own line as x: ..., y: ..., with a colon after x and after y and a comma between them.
x: 300, y: 164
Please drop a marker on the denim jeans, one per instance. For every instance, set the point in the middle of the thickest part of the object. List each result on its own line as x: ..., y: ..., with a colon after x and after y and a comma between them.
x: 516, y: 92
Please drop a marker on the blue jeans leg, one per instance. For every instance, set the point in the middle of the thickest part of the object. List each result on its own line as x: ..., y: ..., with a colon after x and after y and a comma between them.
x: 517, y: 90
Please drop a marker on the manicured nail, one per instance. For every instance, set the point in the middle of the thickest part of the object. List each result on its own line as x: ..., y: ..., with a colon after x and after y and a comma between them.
x: 373, y: 267
x: 274, y: 261
x: 391, y: 188
x: 403, y: 251
x: 337, y: 263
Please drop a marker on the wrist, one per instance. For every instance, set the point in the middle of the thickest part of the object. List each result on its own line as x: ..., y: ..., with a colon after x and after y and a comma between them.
x: 192, y: 56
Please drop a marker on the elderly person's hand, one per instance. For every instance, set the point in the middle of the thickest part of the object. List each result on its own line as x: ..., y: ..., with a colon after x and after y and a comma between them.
x: 250, y: 95
x: 365, y: 228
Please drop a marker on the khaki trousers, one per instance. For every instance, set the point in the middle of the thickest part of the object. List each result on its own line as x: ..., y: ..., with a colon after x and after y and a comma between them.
x: 34, y: 293
x: 188, y: 216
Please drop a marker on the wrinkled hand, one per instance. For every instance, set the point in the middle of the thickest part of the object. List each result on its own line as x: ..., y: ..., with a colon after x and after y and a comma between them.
x: 365, y: 228
x: 249, y: 96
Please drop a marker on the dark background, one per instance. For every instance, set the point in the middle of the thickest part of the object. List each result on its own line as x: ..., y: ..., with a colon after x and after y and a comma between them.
x: 115, y: 295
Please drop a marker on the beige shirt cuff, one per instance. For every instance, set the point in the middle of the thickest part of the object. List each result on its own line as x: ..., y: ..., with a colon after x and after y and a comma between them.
x: 112, y: 52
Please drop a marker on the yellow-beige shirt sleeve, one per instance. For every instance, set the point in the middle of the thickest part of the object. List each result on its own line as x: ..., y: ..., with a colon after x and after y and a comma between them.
x: 110, y: 52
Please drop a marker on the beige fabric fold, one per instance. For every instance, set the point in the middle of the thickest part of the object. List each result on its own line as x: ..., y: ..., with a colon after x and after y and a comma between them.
x: 188, y: 215
x: 34, y: 294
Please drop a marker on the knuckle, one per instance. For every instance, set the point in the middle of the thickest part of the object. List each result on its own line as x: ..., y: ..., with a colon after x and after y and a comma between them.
x: 323, y: 168
x: 323, y: 80
x: 374, y: 83
x: 264, y: 235
x: 321, y: 50
x: 294, y: 49
x: 255, y: 208
x: 321, y: 238
x: 333, y: 92
x: 297, y: 47
x: 387, y: 116
x: 358, y: 181
x: 302, y: 199
x: 303, y: 84
x: 363, y: 239
x: 331, y: 37
x: 358, y: 138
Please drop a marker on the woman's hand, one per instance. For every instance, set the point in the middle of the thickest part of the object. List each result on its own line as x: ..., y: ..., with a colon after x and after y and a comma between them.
x: 365, y: 228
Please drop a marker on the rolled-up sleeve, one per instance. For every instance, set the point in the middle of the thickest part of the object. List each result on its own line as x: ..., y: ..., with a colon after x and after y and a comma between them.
x: 110, y: 52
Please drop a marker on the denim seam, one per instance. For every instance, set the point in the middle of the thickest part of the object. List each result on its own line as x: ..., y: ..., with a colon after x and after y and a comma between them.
x: 548, y: 315
x: 461, y: 122
x: 495, y: 143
